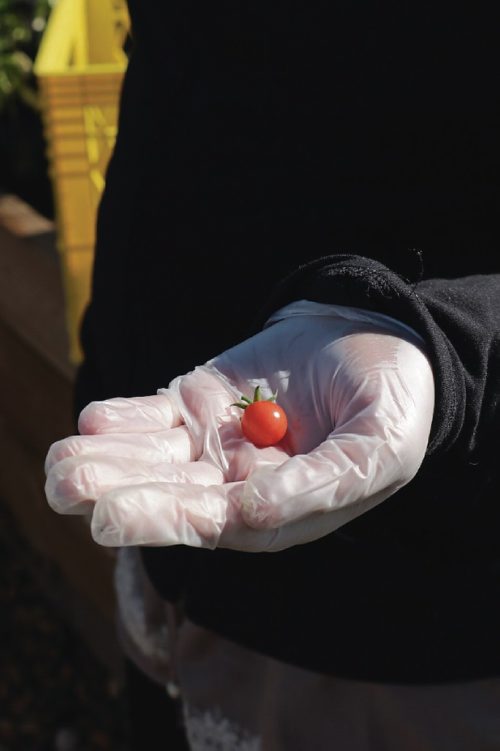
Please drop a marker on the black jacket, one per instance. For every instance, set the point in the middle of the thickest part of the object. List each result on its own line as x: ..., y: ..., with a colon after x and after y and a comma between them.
x: 316, y: 151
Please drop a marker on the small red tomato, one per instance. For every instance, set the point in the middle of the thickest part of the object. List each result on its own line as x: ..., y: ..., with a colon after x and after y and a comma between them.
x: 264, y: 422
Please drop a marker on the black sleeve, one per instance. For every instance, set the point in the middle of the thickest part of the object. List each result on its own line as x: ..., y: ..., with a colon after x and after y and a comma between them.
x: 458, y: 318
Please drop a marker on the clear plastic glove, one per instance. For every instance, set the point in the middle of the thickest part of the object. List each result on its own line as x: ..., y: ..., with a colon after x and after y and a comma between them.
x: 175, y: 468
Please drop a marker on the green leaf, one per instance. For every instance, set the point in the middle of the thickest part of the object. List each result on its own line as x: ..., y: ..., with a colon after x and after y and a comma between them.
x: 19, y: 40
x: 241, y: 405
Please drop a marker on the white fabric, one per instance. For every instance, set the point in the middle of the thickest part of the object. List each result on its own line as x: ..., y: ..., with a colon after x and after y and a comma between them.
x: 238, y: 700
x: 142, y: 618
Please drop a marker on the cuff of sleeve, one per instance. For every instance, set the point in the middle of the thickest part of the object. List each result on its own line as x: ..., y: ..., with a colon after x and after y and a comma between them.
x: 365, y: 283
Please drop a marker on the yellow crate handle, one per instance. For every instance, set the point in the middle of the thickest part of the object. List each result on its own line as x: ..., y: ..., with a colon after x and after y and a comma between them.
x: 81, y: 34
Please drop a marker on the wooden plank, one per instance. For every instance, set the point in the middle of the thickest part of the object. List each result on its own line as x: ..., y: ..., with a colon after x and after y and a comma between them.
x: 77, y: 574
x: 35, y: 398
x: 65, y: 540
x: 35, y: 410
x: 32, y: 298
x: 21, y: 219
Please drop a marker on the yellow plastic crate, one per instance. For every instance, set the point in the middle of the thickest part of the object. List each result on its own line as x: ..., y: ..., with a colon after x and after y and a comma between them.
x: 80, y: 67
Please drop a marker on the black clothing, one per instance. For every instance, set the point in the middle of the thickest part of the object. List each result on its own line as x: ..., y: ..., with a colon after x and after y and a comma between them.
x: 154, y: 720
x: 316, y: 146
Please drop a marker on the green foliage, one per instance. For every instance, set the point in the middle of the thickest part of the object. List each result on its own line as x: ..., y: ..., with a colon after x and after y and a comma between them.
x: 21, y: 25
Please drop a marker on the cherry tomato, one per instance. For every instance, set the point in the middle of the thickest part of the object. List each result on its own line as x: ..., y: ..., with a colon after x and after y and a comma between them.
x: 264, y: 422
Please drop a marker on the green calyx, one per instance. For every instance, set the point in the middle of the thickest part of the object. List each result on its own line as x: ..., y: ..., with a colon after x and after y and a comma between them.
x: 257, y: 397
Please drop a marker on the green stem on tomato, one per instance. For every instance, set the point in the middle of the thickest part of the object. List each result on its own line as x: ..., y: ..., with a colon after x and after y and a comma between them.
x: 245, y: 402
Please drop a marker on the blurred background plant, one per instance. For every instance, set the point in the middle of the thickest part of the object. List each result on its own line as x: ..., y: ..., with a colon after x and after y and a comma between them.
x: 23, y: 164
x: 21, y: 26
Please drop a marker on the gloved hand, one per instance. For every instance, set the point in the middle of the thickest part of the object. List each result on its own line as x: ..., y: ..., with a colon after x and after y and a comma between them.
x: 174, y: 468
